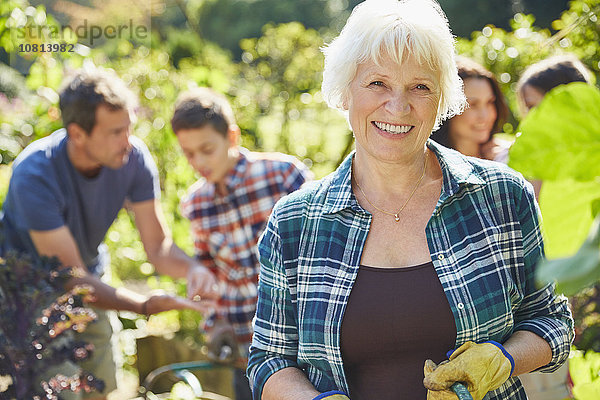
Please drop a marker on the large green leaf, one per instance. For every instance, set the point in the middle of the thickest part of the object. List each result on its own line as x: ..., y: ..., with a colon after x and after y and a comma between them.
x: 576, y: 272
x: 560, y: 138
x: 567, y: 213
x: 559, y: 143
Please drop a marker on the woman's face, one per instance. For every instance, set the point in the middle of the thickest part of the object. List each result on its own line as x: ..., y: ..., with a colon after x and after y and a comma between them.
x: 530, y: 97
x: 392, y: 108
x: 475, y: 124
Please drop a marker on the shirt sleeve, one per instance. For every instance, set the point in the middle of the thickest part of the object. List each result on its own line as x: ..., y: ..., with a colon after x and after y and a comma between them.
x: 146, y: 185
x: 295, y: 176
x: 275, y: 341
x: 37, y: 203
x: 542, y: 311
x: 201, y: 243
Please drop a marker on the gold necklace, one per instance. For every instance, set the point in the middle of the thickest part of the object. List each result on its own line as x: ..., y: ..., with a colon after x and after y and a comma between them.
x: 395, y: 215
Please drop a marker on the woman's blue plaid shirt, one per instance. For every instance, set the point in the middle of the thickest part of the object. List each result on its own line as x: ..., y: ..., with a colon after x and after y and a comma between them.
x: 484, y: 238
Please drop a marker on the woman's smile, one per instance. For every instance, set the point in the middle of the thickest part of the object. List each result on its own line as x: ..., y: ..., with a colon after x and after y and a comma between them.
x: 392, y: 129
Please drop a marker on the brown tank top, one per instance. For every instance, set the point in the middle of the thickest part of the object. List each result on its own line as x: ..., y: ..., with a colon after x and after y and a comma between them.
x: 396, y: 318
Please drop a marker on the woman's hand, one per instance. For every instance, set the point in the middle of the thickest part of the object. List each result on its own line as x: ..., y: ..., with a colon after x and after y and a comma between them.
x: 481, y: 367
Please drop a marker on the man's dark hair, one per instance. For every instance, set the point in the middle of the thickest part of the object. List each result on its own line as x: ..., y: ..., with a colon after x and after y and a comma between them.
x: 84, y: 92
x: 200, y: 107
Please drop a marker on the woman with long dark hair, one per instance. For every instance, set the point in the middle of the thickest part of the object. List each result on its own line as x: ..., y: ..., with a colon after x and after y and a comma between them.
x: 471, y: 132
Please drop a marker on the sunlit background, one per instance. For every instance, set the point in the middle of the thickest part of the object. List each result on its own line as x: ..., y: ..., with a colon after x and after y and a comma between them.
x: 264, y: 55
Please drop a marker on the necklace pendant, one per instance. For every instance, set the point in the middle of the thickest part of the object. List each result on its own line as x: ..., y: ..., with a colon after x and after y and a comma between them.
x: 397, y: 217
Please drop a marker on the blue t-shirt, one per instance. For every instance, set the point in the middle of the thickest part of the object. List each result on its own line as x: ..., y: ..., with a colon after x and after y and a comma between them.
x: 46, y: 192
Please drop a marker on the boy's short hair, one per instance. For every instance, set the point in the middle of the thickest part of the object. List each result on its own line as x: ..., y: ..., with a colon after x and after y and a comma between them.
x: 200, y: 107
x: 82, y: 94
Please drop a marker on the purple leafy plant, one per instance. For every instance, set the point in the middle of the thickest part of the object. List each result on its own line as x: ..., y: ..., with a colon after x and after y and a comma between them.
x: 37, y: 324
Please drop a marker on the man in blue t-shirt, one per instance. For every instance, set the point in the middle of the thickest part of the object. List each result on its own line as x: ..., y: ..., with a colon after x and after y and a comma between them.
x: 65, y: 192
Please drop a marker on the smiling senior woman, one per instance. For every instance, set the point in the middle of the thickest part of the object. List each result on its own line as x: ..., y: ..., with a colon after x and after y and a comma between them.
x: 408, y: 249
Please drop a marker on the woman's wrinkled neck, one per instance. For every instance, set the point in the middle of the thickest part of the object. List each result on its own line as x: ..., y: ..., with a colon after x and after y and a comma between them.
x: 393, y: 177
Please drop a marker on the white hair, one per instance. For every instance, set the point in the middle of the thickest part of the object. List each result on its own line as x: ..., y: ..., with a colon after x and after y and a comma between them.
x: 378, y: 27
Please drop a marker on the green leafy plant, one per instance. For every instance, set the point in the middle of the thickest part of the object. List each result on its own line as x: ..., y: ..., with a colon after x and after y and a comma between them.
x: 585, y: 370
x: 577, y: 272
x: 558, y: 143
x: 571, y: 149
x: 281, y: 82
x: 37, y: 321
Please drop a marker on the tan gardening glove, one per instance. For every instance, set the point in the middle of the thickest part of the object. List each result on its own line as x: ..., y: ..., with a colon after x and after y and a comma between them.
x: 481, y: 367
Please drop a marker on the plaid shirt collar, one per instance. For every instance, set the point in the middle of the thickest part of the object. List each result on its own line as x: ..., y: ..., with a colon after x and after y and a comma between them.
x: 455, y: 169
x: 236, y: 176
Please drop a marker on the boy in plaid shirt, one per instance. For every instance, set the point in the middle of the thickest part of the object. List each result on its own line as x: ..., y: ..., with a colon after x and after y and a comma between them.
x: 229, y: 207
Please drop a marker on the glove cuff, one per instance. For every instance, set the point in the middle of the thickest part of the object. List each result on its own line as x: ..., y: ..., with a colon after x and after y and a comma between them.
x: 332, y: 395
x: 506, y: 354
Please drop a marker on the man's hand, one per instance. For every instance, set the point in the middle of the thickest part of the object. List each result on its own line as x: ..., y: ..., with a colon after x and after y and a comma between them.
x: 201, y: 282
x: 221, y: 343
x: 481, y: 367
x: 159, y: 302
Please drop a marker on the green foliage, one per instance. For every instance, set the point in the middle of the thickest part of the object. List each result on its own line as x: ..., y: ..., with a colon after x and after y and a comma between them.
x: 5, y: 173
x: 584, y: 368
x: 214, y: 15
x: 36, y: 327
x: 182, y: 44
x: 560, y: 138
x: 508, y: 53
x: 586, y: 313
x: 465, y: 16
x: 579, y: 32
x: 12, y: 84
x: 21, y: 23
x: 284, y: 105
x: 559, y: 143
x: 566, y: 207
x: 24, y: 117
x: 576, y: 272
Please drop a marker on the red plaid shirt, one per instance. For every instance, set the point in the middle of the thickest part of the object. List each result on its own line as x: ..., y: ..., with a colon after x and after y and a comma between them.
x: 225, y: 229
